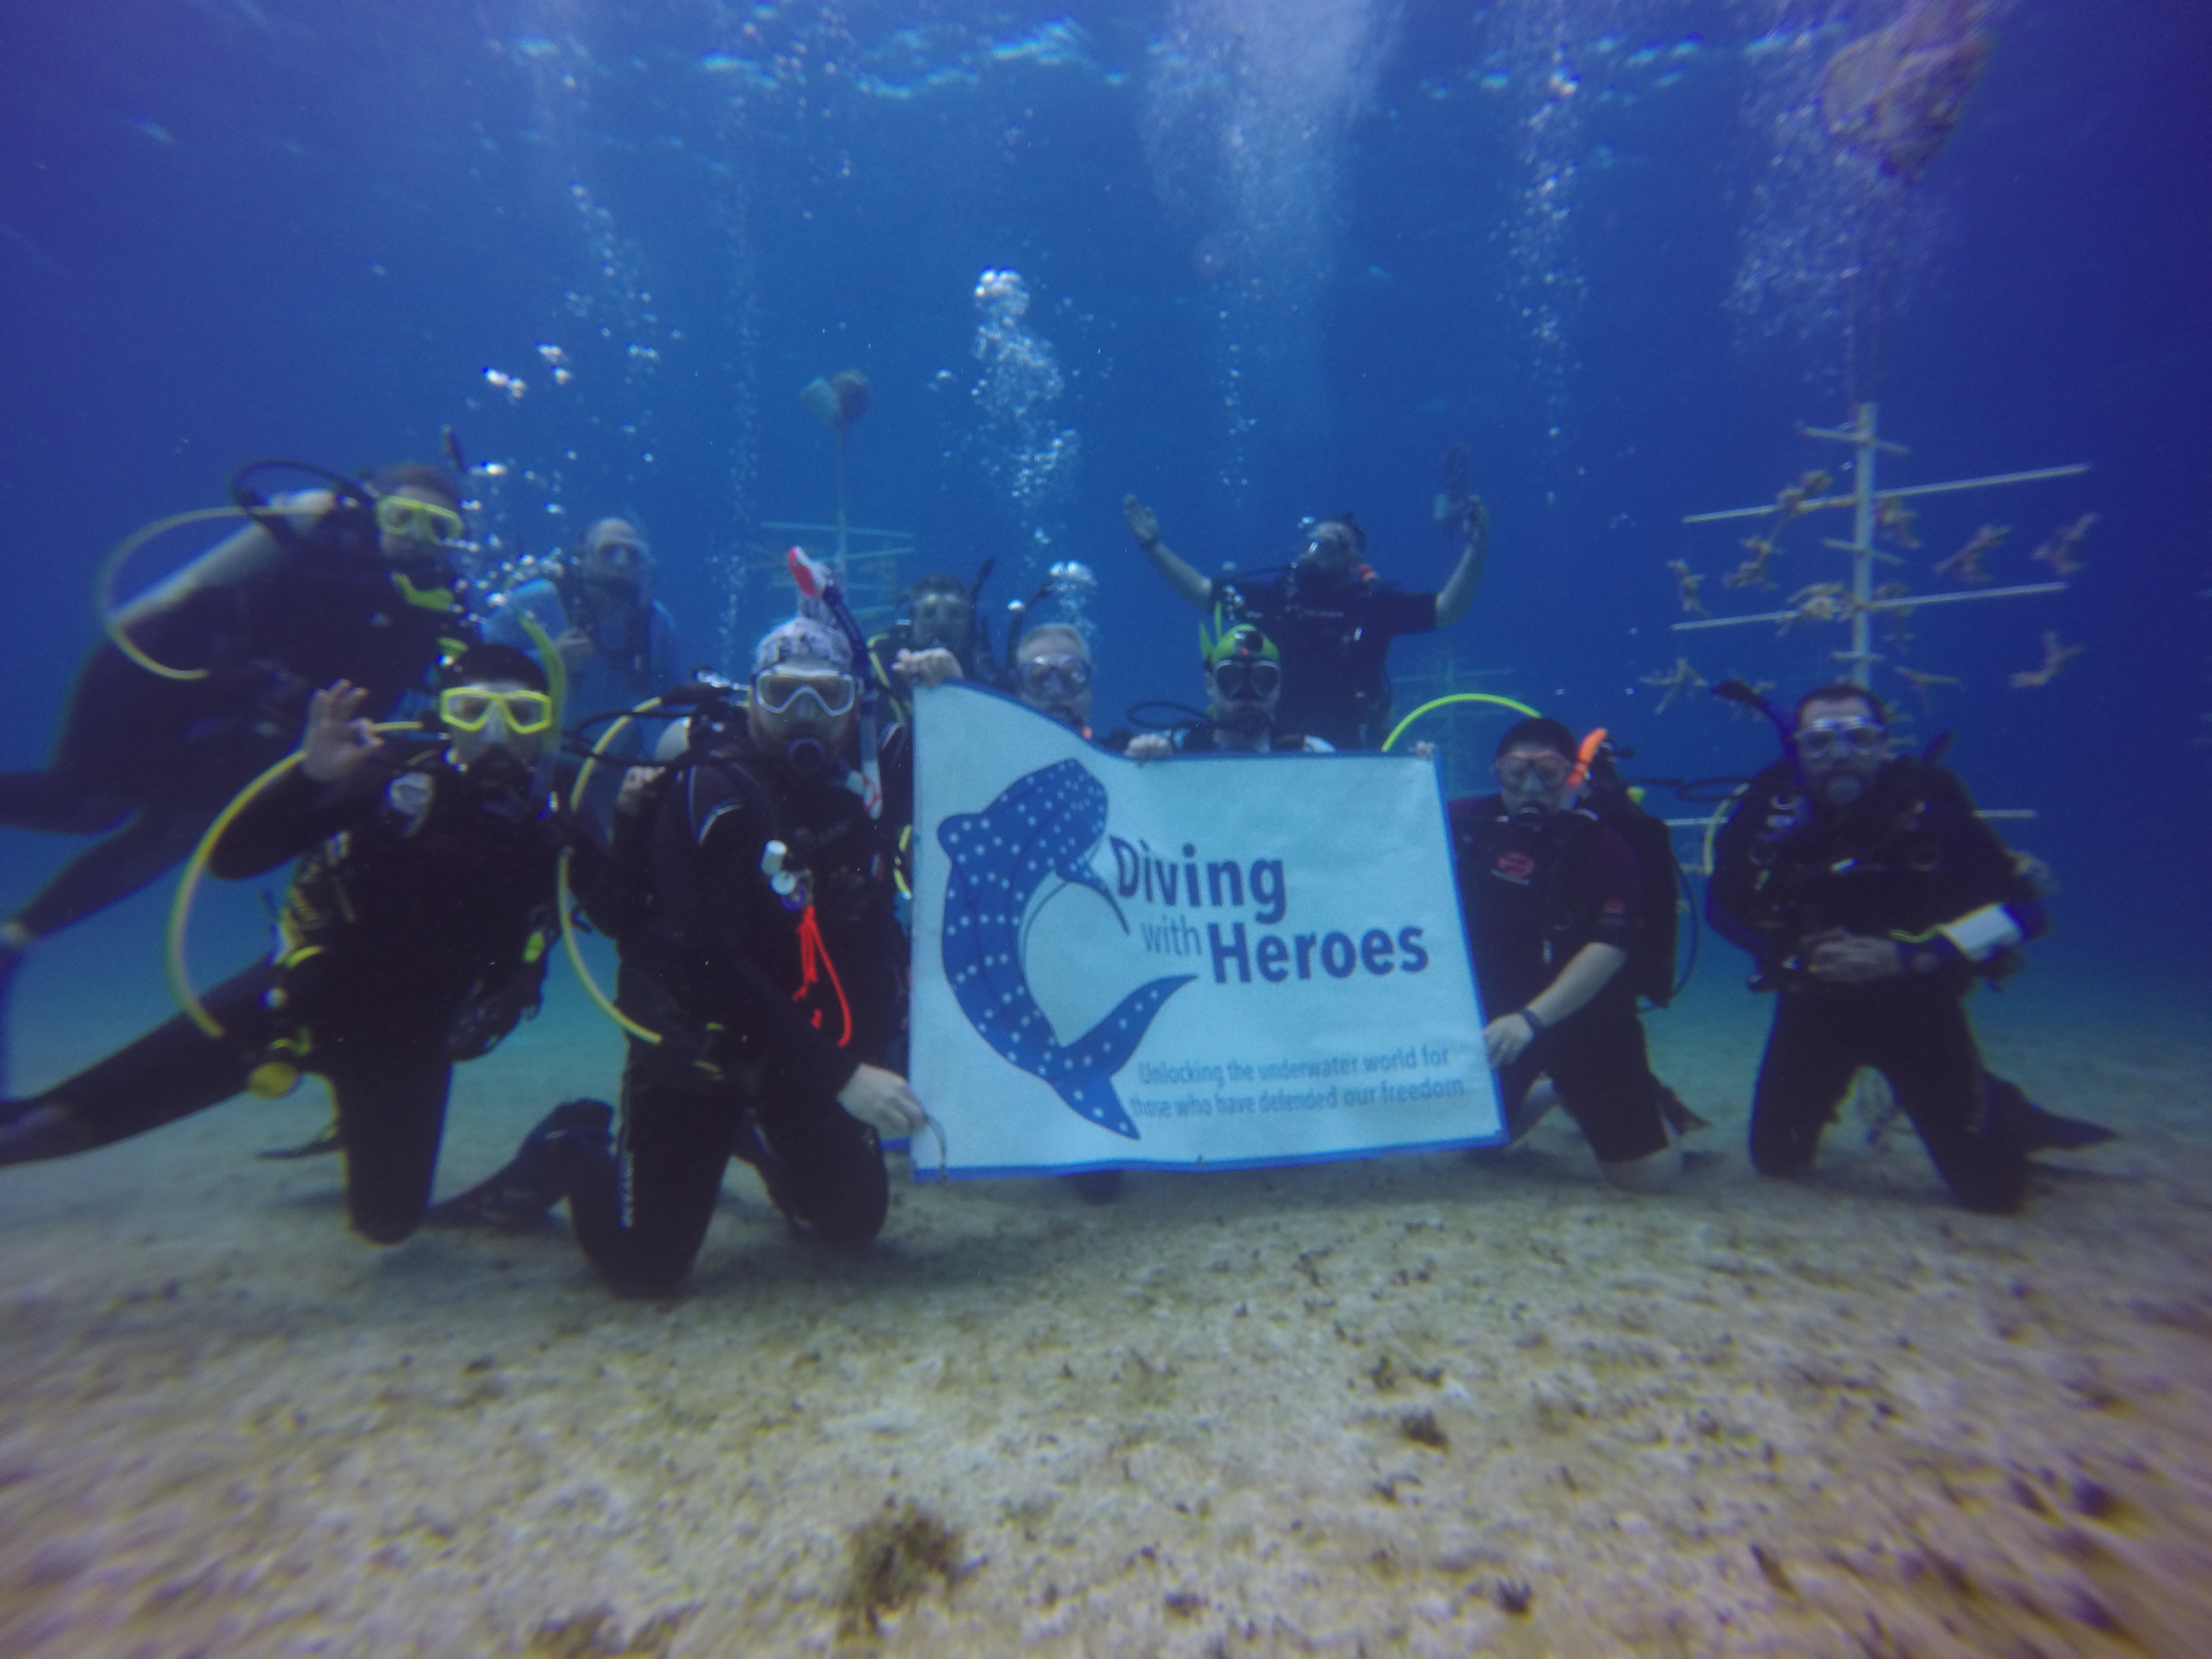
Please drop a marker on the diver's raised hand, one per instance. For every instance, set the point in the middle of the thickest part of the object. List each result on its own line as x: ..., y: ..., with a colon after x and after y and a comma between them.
x: 882, y: 1100
x: 337, y: 741
x: 932, y: 667
x: 637, y: 787
x: 1144, y: 523
x: 1465, y: 514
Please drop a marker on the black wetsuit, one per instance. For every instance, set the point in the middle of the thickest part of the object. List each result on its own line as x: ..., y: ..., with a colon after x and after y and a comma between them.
x: 1535, y: 891
x: 159, y: 757
x: 760, y: 1028
x: 1336, y: 650
x: 1911, y: 857
x: 413, y: 935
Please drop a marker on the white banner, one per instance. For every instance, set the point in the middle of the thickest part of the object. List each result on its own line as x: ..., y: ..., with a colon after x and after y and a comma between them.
x: 1211, y: 961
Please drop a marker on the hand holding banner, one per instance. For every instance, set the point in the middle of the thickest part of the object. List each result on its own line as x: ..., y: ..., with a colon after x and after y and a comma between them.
x: 1211, y: 961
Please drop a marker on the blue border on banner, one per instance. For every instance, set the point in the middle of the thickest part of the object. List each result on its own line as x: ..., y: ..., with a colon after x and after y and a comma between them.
x: 1024, y: 1171
x: 1041, y: 1172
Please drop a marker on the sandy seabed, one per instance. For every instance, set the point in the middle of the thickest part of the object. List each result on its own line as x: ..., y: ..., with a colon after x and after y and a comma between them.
x: 1419, y: 1406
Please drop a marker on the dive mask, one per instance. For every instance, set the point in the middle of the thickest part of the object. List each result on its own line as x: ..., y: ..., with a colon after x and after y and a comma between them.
x: 1514, y: 771
x: 1823, y: 740
x: 1237, y: 678
x: 782, y: 691
x: 1065, y: 673
x: 420, y: 521
x: 471, y: 709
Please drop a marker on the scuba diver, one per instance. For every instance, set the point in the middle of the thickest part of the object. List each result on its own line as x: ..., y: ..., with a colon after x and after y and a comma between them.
x: 1244, y: 690
x: 413, y: 935
x: 1052, y: 673
x: 940, y: 616
x: 1872, y: 898
x: 617, y: 643
x: 1330, y: 615
x: 749, y: 896
x: 1559, y: 912
x: 351, y: 583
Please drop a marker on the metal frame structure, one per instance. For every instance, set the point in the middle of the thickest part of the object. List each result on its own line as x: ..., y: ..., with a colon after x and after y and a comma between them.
x: 867, y: 562
x: 1864, y: 499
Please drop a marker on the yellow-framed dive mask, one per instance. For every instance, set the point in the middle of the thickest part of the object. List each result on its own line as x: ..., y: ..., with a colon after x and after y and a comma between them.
x: 420, y: 521
x: 469, y: 709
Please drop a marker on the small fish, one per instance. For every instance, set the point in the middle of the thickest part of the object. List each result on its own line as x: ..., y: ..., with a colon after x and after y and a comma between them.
x: 1042, y: 825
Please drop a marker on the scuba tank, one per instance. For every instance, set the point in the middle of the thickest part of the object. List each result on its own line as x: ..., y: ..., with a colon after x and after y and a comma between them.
x: 1608, y: 798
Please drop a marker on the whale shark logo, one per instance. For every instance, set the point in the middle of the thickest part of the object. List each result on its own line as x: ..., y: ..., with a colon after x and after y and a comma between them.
x: 1042, y: 825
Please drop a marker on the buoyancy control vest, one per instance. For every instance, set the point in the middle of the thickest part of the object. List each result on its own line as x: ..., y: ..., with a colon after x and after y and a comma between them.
x: 1610, y: 802
x: 1538, y: 860
x: 816, y: 919
x: 446, y: 882
x: 1909, y: 858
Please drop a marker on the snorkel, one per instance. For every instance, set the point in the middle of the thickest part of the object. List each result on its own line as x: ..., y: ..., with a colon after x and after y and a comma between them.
x: 1592, y: 746
x: 816, y: 582
x: 1744, y: 697
x: 557, y: 687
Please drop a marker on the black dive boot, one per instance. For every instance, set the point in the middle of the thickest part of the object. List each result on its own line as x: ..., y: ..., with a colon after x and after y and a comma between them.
x: 517, y: 1197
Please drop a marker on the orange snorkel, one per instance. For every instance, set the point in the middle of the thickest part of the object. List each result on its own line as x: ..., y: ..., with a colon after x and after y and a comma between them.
x: 1579, y: 775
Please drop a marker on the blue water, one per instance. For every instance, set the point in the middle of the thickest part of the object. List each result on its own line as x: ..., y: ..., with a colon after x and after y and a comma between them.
x: 1276, y: 257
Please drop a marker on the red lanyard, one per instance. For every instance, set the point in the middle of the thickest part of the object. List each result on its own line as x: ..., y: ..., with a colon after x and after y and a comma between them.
x: 813, y: 963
